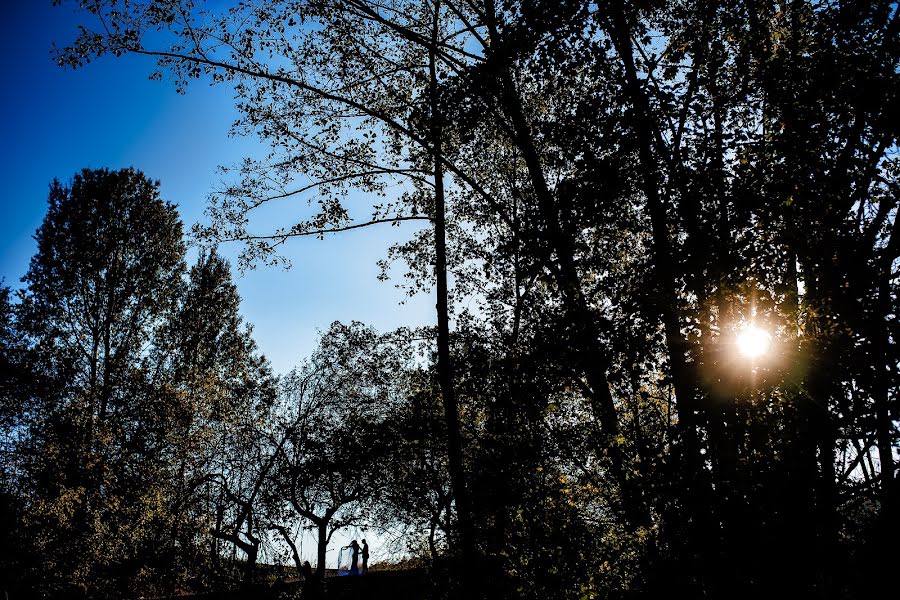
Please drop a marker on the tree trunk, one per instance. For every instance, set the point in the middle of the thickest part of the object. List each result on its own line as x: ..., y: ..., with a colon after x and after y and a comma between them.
x: 884, y: 425
x: 252, y: 551
x: 249, y: 548
x: 322, y: 547
x: 594, y: 362
x: 699, y: 530
x: 456, y: 465
x: 431, y: 545
x: 682, y: 380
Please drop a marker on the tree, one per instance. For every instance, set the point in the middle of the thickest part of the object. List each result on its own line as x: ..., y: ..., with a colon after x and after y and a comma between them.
x: 222, y: 390
x: 330, y: 462
x: 106, y: 276
x: 133, y: 395
x: 416, y: 491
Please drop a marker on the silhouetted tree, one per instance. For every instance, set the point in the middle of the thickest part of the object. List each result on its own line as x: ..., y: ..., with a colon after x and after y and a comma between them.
x: 222, y: 391
x: 331, y: 465
x: 106, y: 276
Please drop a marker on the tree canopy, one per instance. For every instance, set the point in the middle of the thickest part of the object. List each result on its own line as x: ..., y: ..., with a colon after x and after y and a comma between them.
x: 611, y: 195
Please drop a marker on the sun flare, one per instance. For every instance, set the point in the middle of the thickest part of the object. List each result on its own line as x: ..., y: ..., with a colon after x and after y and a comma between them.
x: 753, y: 342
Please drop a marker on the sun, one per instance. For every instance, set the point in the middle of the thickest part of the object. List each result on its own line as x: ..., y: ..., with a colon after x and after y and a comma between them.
x: 753, y: 342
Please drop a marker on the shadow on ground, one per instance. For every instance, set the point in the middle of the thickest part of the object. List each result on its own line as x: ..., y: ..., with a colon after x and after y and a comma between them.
x: 410, y: 584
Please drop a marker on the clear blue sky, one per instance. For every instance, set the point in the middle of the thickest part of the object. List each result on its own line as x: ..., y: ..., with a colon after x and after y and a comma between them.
x: 109, y: 114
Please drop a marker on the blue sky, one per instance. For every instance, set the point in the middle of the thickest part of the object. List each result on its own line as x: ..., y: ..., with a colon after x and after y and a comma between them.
x: 108, y: 114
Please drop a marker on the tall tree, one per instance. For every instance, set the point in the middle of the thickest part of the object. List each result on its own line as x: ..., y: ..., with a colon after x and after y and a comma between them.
x: 222, y: 392
x: 106, y: 276
x: 379, y: 131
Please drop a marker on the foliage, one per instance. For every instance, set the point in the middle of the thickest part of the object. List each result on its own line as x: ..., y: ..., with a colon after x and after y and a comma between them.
x: 106, y: 276
x: 332, y: 461
x: 628, y: 185
x: 130, y: 374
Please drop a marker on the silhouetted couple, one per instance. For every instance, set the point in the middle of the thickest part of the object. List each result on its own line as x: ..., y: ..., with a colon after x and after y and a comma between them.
x: 354, y: 564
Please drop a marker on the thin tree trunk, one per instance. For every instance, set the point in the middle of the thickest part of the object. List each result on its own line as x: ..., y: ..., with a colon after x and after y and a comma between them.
x: 682, y: 380
x: 456, y: 464
x: 698, y: 524
x: 250, y: 568
x: 884, y: 425
x: 432, y: 547
x: 290, y: 542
